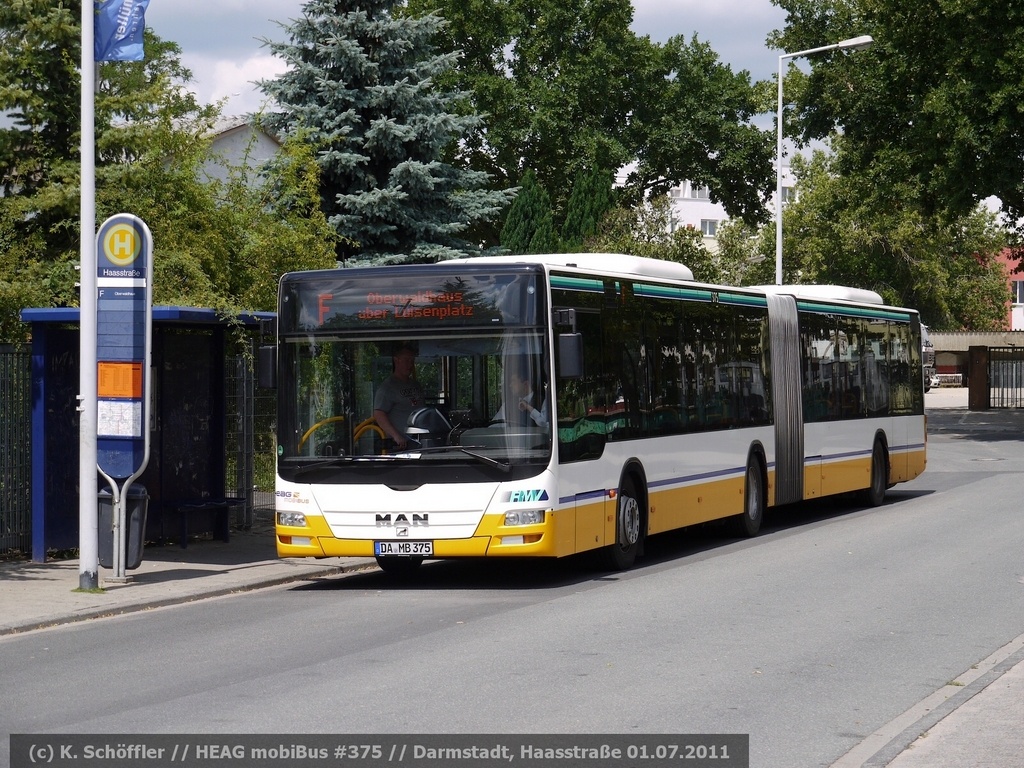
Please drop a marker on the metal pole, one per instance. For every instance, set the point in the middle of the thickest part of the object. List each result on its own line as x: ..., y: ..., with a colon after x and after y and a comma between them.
x: 778, y: 182
x: 852, y: 44
x: 88, y: 541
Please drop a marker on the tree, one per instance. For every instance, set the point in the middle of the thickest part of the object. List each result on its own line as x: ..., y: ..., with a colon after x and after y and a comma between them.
x: 837, y: 232
x: 529, y: 227
x: 152, y: 140
x: 361, y: 86
x: 933, y: 106
x: 39, y: 143
x: 694, y: 123
x: 224, y: 243
x: 568, y: 87
x: 745, y: 254
x: 590, y: 199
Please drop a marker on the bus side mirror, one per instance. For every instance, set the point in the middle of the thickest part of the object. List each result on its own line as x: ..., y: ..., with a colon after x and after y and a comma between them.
x: 266, y: 368
x: 570, y: 355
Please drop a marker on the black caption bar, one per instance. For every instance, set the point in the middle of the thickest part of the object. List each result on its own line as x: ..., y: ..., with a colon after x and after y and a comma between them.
x: 374, y: 751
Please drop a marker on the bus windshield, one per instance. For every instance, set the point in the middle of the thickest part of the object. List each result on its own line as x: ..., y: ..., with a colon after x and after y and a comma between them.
x: 429, y: 385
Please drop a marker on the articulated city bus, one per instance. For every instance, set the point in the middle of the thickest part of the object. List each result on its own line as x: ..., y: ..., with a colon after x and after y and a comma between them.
x: 655, y: 402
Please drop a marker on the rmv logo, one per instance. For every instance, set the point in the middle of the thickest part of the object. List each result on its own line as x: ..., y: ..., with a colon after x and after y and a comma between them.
x: 533, y: 494
x: 403, y: 519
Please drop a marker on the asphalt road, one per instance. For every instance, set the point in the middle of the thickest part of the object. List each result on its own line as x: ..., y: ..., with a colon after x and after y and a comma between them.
x: 809, y: 638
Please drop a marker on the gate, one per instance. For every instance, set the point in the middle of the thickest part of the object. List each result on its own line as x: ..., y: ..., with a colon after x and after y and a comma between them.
x: 1006, y: 377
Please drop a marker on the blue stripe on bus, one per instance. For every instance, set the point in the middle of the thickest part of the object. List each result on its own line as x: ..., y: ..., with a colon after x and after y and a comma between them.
x: 720, y: 473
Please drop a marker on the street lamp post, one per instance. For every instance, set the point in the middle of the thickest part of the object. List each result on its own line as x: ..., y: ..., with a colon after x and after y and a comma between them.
x: 853, y: 44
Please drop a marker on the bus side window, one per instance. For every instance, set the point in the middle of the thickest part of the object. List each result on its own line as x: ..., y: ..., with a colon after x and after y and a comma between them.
x: 583, y: 403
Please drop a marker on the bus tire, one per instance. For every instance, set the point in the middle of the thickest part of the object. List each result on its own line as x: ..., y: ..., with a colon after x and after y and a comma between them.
x: 399, y: 566
x: 874, y: 494
x: 748, y: 523
x: 621, y: 555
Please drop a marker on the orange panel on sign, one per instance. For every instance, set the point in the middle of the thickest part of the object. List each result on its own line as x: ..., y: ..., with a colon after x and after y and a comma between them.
x: 119, y: 380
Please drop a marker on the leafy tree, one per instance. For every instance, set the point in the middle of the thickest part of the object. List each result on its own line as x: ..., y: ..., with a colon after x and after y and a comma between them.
x: 745, y: 254
x: 361, y: 86
x: 694, y: 123
x: 933, y: 106
x: 222, y: 240
x: 529, y: 226
x: 568, y: 87
x: 152, y: 140
x: 837, y: 232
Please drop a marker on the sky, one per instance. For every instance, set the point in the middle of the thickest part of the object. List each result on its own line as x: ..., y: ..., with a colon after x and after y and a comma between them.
x: 220, y: 39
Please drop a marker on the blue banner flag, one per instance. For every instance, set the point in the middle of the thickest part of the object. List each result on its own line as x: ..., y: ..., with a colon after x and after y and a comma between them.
x: 118, y: 29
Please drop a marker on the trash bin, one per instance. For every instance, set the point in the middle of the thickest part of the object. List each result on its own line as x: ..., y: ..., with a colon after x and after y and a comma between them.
x: 135, y: 527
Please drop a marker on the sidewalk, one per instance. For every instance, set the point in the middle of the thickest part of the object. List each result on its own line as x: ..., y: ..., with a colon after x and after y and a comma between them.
x: 975, y: 720
x: 36, y: 595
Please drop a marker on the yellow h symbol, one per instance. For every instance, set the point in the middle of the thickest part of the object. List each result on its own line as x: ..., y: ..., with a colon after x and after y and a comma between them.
x: 122, y: 243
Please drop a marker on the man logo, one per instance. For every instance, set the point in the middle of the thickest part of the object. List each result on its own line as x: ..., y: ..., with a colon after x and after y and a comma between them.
x: 535, y: 494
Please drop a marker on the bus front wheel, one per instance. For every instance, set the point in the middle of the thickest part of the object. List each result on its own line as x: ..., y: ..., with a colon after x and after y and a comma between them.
x: 874, y: 494
x: 622, y: 554
x: 398, y: 566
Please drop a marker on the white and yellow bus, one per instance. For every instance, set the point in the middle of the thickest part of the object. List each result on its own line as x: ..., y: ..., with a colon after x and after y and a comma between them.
x: 666, y: 403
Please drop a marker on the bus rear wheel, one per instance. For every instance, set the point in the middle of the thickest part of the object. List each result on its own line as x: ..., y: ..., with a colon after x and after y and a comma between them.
x: 749, y: 522
x: 399, y: 566
x: 622, y: 554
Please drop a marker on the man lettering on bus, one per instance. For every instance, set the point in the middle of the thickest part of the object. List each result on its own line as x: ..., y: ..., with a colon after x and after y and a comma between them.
x: 398, y: 396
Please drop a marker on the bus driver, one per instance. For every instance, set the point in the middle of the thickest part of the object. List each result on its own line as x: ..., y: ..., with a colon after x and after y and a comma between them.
x: 399, y: 396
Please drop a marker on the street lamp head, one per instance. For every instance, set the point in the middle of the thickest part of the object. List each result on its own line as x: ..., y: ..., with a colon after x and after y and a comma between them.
x: 852, y: 44
x: 856, y: 43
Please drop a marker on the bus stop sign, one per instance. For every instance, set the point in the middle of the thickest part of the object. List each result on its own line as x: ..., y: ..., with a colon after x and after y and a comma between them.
x: 124, y: 318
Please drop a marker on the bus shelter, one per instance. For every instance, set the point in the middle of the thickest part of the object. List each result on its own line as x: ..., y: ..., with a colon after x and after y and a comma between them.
x: 186, y: 478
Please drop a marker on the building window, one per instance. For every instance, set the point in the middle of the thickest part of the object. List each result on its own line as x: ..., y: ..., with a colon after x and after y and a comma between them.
x: 675, y: 193
x: 788, y: 195
x: 709, y: 227
x: 1018, y: 291
x: 700, y: 193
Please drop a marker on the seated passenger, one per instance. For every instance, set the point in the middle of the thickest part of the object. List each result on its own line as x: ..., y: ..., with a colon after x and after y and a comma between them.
x: 526, y: 411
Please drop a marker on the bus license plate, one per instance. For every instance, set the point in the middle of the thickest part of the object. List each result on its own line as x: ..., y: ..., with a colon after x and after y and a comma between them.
x: 404, y: 548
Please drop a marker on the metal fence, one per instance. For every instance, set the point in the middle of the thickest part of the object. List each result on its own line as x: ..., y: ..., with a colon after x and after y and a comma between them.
x: 1006, y: 377
x: 15, y: 450
x: 251, y: 439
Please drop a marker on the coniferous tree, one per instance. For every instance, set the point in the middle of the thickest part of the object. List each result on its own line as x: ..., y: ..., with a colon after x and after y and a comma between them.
x: 590, y: 199
x: 361, y: 85
x: 529, y: 226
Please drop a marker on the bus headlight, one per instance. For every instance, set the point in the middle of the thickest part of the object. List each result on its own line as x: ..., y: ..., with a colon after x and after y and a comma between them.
x: 291, y: 519
x: 524, y: 517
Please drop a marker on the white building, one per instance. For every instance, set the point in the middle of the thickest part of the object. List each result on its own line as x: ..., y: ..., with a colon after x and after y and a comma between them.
x: 692, y: 207
x: 237, y: 142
